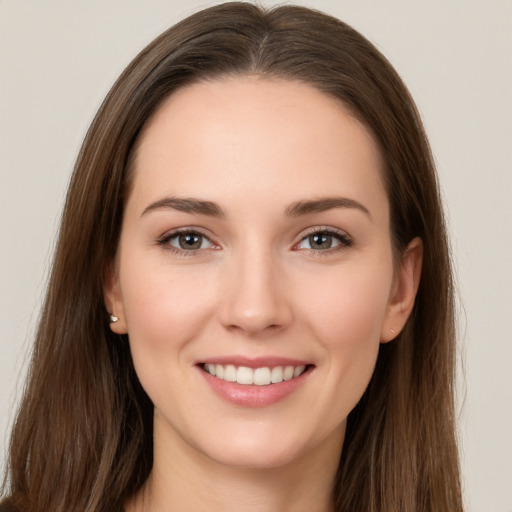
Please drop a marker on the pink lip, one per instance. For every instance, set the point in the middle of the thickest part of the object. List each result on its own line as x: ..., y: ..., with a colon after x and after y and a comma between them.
x: 252, y: 396
x: 255, y: 362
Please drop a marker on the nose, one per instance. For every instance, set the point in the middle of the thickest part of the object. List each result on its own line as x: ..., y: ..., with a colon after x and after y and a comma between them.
x: 253, y: 295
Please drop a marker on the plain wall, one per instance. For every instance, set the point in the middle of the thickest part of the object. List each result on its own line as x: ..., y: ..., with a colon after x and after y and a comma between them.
x: 58, y: 59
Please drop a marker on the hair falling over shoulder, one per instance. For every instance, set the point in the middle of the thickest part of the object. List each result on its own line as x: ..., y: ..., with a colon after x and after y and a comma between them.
x: 82, y: 440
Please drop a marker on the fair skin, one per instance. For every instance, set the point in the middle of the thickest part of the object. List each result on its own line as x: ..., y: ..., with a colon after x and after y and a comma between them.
x: 283, y: 258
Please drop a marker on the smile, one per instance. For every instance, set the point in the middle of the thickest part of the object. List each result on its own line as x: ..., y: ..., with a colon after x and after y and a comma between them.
x: 263, y: 376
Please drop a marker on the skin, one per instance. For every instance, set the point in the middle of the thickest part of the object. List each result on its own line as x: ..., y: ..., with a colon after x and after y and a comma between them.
x: 256, y: 287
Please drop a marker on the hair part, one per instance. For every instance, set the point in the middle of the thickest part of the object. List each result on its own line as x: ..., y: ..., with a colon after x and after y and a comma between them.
x: 83, y: 436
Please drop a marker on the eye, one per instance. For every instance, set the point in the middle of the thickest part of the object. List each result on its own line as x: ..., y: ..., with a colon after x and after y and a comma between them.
x: 324, y: 240
x: 186, y: 241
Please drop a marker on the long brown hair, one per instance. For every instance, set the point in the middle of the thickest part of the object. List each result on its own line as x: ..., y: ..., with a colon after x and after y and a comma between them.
x: 82, y: 440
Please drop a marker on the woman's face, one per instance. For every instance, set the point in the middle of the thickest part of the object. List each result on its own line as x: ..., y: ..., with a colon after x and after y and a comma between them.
x: 255, y: 247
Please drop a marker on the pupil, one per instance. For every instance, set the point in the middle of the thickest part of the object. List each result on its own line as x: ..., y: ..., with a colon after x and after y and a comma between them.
x: 321, y: 241
x: 190, y: 241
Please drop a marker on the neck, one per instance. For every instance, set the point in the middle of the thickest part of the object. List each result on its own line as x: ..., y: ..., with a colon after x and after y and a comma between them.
x: 184, y: 479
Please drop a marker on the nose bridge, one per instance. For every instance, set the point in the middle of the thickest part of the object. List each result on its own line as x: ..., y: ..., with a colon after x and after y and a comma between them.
x: 255, y: 299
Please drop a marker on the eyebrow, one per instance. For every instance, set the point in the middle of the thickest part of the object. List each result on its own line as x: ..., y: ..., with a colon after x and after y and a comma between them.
x: 323, y: 204
x: 211, y: 209
x: 188, y: 205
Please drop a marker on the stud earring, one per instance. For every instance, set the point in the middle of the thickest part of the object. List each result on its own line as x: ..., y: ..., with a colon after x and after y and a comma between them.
x: 113, y: 319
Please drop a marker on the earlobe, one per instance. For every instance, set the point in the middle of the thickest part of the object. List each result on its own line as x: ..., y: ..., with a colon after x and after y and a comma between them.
x: 405, y: 288
x: 113, y: 300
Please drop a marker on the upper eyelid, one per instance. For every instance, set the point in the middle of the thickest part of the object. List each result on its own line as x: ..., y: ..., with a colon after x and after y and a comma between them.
x: 187, y: 229
x: 323, y: 229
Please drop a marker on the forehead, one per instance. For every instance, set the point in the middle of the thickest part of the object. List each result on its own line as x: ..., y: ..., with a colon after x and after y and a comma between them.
x: 255, y: 134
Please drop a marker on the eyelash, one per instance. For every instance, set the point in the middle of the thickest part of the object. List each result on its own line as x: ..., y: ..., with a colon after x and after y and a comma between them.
x: 165, y: 239
x: 344, y: 240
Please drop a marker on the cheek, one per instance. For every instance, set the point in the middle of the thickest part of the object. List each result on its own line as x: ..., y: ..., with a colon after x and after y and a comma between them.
x: 346, y: 319
x: 350, y: 308
x: 164, y: 310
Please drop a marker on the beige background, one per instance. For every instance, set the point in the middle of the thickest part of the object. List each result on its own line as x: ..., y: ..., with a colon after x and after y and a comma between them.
x: 59, y: 57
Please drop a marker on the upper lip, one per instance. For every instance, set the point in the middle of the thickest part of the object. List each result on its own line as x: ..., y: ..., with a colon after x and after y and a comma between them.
x: 255, y: 362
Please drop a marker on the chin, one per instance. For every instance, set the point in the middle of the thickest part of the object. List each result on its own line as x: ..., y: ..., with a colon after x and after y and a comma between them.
x: 255, y: 457
x: 264, y: 449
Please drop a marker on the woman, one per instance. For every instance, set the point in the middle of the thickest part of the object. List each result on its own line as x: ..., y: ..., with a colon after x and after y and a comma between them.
x: 250, y: 305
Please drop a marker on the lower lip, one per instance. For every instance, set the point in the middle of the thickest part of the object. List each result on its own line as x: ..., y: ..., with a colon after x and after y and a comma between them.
x: 245, y: 395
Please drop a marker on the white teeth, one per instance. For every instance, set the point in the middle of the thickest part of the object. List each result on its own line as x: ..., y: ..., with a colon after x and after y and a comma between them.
x: 262, y: 376
x: 288, y: 373
x: 244, y: 375
x: 258, y: 376
x: 277, y: 374
x: 230, y: 373
x: 298, y: 370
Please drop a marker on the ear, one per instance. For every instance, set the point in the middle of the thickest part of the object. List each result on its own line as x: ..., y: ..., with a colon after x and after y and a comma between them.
x: 403, y: 292
x: 114, y: 300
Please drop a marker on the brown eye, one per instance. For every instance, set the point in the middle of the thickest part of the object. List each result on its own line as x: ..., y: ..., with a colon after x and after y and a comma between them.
x: 187, y: 241
x: 324, y: 241
x: 190, y: 241
x: 320, y: 241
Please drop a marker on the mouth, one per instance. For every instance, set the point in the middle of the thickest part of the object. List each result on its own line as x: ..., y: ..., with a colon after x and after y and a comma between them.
x: 254, y: 382
x: 260, y: 376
